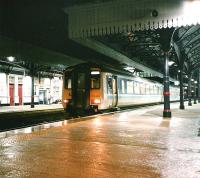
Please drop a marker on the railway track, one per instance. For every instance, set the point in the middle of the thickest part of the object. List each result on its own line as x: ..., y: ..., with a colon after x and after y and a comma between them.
x: 19, y: 120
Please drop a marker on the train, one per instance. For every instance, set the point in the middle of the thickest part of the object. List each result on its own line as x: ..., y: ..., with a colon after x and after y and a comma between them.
x: 92, y: 88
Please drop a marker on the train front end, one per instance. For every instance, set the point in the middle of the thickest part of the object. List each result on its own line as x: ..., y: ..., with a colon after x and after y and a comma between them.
x: 82, y: 89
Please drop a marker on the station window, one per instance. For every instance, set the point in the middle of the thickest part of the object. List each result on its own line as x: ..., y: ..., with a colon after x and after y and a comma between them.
x: 95, y: 80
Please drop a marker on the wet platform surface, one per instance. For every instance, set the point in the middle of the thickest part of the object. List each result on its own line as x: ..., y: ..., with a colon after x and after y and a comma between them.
x: 27, y: 108
x: 135, y: 144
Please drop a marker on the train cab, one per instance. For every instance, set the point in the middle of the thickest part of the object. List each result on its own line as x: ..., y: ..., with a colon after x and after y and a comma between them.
x: 82, y: 88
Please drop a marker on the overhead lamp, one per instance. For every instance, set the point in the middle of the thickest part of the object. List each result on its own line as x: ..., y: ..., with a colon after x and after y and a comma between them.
x: 170, y: 63
x: 10, y: 58
x: 130, y: 69
x: 195, y: 82
x: 176, y: 83
x: 192, y: 79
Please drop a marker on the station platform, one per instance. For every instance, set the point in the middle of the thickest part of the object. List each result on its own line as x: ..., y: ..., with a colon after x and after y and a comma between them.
x: 27, y: 108
x: 129, y: 144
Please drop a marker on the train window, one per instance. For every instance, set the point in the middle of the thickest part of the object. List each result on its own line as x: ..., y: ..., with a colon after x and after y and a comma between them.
x: 151, y: 89
x: 142, y: 88
x: 68, y: 81
x: 123, y: 86
x: 136, y: 88
x: 81, y: 81
x: 130, y: 87
x: 109, y: 85
x: 147, y: 89
x: 95, y: 80
x: 114, y: 86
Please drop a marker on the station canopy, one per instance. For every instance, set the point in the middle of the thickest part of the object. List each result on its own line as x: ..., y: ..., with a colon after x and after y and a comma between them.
x: 117, y: 16
x: 128, y: 33
x: 135, y: 29
x: 186, y: 42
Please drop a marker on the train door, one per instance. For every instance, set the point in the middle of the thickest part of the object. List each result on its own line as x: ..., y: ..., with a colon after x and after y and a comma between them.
x: 11, y: 92
x: 112, y: 90
x: 115, y: 91
x: 20, y: 93
x: 81, y: 89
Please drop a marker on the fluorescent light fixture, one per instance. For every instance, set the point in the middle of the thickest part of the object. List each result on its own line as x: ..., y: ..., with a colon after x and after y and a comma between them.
x: 176, y: 83
x: 11, y: 58
x: 95, y: 72
x: 130, y: 69
x: 170, y: 63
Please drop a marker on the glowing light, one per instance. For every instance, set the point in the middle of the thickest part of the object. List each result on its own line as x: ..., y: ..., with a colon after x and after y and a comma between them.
x: 97, y: 101
x: 95, y: 72
x: 66, y: 101
x: 97, y: 122
x: 195, y: 82
x: 170, y: 63
x: 130, y: 69
x: 11, y: 58
x: 191, y: 12
x: 176, y: 83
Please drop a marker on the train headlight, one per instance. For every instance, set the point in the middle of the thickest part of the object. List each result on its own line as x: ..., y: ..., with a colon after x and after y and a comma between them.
x: 96, y: 101
x: 66, y: 101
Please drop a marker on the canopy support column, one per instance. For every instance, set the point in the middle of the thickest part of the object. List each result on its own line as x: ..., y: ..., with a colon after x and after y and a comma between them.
x: 181, y: 89
x: 166, y: 93
x: 189, y: 90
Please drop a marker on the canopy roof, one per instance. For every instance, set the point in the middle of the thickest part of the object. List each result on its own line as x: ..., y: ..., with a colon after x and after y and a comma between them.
x: 186, y: 42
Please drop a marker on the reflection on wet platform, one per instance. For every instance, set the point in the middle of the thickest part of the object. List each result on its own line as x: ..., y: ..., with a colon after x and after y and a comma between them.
x: 136, y: 143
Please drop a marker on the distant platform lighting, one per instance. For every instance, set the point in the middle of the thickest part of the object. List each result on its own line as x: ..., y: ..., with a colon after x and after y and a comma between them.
x: 170, y: 63
x: 176, y: 83
x: 11, y: 58
x: 130, y: 69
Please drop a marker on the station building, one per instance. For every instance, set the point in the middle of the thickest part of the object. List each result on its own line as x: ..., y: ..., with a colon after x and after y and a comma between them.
x: 15, y: 89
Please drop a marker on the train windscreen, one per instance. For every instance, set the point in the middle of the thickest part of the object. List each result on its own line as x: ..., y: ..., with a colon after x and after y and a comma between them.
x: 95, y: 79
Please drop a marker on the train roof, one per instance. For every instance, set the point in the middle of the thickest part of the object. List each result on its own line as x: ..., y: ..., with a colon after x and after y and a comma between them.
x: 104, y: 68
x: 110, y: 69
